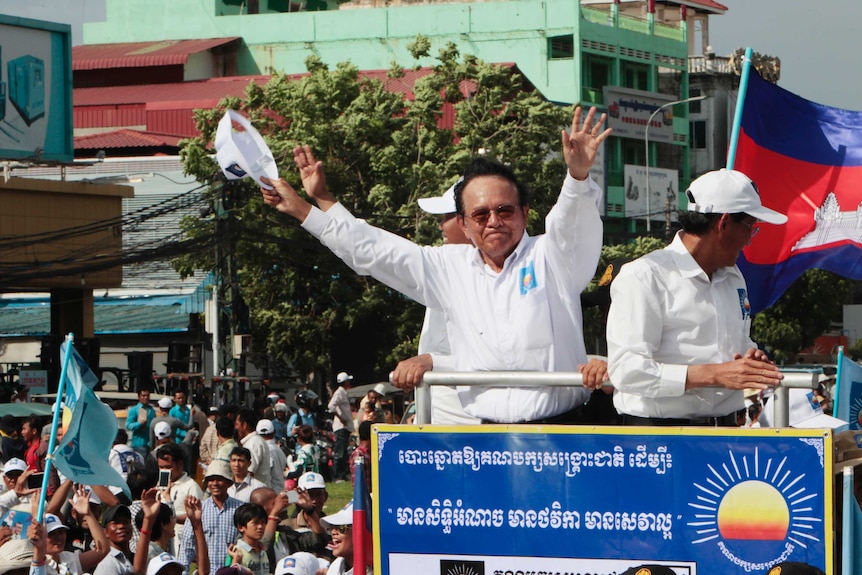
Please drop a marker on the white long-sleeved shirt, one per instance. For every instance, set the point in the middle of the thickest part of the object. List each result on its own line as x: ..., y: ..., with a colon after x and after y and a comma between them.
x: 526, y: 317
x: 665, y: 315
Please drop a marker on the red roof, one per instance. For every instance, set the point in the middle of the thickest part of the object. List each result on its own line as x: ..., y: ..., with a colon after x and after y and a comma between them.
x: 141, y: 54
x: 125, y: 139
x: 709, y: 5
x: 211, y: 90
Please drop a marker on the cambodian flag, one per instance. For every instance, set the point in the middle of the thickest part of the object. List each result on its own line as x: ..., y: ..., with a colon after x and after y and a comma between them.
x: 806, y: 161
x: 363, y: 548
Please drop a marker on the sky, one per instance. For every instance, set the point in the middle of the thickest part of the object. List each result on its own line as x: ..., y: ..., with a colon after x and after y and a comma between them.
x: 815, y: 39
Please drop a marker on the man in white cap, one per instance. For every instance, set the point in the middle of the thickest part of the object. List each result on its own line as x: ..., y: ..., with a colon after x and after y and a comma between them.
x: 679, y: 322
x: 342, y: 425
x: 15, y: 476
x: 340, y: 527
x: 163, y: 408
x: 277, y: 458
x: 435, y: 353
x: 300, y: 563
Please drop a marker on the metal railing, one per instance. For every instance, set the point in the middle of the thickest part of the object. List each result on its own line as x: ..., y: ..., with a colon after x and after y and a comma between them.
x: 781, y: 395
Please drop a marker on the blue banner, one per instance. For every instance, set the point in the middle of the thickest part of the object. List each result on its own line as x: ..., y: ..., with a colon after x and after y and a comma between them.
x: 848, y: 391
x: 577, y: 500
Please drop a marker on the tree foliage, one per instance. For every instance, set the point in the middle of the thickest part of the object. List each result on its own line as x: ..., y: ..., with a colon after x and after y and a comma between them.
x: 380, y: 152
x: 802, y: 314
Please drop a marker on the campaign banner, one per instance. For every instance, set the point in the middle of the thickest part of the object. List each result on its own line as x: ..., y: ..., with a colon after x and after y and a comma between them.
x: 629, y: 112
x: 604, y: 501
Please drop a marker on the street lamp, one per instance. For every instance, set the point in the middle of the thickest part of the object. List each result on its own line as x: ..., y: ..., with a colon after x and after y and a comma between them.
x: 646, y: 147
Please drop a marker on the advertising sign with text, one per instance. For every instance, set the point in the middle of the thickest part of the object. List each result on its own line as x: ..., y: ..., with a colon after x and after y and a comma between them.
x: 629, y: 111
x: 509, y: 499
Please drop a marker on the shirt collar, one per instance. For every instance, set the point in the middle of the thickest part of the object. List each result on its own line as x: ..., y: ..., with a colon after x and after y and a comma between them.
x: 479, y: 261
x: 683, y: 259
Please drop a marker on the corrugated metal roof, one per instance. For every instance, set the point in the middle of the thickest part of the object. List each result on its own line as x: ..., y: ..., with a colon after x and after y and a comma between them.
x: 152, y: 314
x: 125, y: 139
x: 141, y: 54
x: 180, y: 93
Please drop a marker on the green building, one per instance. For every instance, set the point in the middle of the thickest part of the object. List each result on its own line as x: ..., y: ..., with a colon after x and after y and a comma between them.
x: 627, y: 57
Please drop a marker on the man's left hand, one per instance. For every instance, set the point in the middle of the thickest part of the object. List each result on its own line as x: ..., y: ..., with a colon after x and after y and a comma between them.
x: 581, y: 144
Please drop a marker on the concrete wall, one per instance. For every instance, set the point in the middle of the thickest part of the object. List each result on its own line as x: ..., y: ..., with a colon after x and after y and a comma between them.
x: 372, y: 38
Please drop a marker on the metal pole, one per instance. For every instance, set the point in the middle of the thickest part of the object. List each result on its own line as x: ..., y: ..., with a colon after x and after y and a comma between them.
x: 646, y: 149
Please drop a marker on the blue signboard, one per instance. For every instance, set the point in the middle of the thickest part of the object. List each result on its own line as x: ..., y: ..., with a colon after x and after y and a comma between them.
x: 497, y: 499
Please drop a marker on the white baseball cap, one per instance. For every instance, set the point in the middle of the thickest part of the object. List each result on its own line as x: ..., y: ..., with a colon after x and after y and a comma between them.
x: 162, y: 430
x: 300, y: 563
x: 52, y: 523
x: 729, y: 192
x: 241, y: 154
x: 343, y: 376
x: 343, y: 517
x: 166, y: 403
x: 311, y: 480
x: 156, y: 563
x: 805, y: 412
x: 444, y: 204
x: 264, y: 427
x: 15, y: 464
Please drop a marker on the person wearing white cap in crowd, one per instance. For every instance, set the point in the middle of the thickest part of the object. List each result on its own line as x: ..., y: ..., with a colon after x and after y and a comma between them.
x: 216, y: 517
x: 163, y: 408
x: 280, y: 422
x: 15, y: 476
x: 511, y: 299
x: 342, y: 425
x: 435, y: 352
x: 299, y: 563
x: 340, y: 527
x: 679, y: 350
x: 277, y: 458
x: 50, y: 541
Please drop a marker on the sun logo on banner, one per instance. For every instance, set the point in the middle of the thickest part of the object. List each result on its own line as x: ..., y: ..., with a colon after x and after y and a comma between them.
x: 741, y: 501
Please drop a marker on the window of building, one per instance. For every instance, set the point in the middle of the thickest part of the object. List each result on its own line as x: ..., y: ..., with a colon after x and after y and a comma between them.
x: 633, y: 152
x: 560, y: 47
x: 635, y: 75
x: 694, y: 107
x: 597, y: 71
x: 697, y: 134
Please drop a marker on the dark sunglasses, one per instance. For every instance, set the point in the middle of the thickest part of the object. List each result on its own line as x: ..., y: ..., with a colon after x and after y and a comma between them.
x: 482, y: 215
x: 342, y: 528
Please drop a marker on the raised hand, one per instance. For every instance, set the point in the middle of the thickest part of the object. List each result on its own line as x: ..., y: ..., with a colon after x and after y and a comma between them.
x: 313, y: 177
x: 581, y: 144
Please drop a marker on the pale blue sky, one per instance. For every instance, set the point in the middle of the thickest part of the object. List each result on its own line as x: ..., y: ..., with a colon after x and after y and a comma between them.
x: 815, y: 39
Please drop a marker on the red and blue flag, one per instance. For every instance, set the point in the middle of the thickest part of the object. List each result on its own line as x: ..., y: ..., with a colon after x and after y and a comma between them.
x: 806, y: 161
x: 362, y: 539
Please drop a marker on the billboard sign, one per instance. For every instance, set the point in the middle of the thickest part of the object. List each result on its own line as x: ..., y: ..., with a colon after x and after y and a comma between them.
x: 629, y: 111
x: 663, y: 188
x: 553, y: 499
x: 35, y: 90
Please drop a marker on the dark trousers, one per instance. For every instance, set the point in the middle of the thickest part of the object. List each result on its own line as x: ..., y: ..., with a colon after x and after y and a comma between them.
x: 339, y: 455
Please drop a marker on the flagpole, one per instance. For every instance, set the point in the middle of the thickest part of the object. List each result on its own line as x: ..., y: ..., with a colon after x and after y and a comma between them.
x: 847, y: 535
x: 49, y: 457
x: 359, y: 512
x: 836, y: 393
x: 740, y: 104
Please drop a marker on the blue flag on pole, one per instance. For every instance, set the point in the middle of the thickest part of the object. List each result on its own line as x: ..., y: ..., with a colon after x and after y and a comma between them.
x: 848, y: 392
x: 82, y: 455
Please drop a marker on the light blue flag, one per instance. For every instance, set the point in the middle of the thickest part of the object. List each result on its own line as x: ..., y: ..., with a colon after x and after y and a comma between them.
x: 82, y: 455
x: 848, y: 395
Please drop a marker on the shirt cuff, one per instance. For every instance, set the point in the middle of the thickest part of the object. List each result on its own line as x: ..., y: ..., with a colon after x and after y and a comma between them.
x: 442, y: 362
x: 673, y: 378
x: 573, y: 188
x: 316, y: 222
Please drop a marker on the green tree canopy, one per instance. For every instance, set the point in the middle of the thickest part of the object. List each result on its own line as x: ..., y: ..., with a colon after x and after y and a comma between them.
x: 380, y: 152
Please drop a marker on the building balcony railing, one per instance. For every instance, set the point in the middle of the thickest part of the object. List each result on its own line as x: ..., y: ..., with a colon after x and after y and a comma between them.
x: 711, y: 65
x: 606, y: 18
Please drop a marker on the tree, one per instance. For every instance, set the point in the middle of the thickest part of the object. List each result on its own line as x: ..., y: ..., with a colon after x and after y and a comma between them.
x: 380, y: 152
x: 802, y: 314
